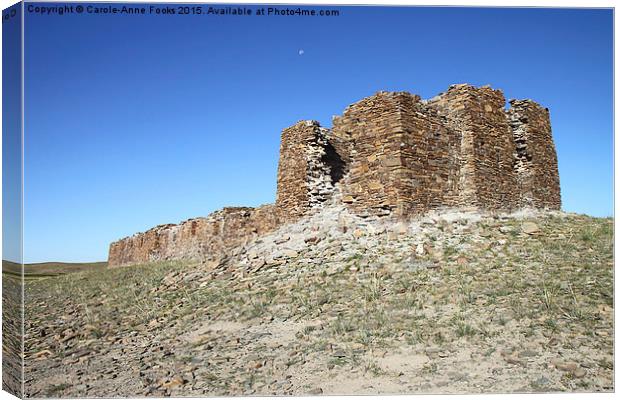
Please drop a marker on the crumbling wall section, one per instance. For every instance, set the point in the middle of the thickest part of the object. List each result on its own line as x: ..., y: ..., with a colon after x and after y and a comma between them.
x: 200, y: 239
x: 486, y: 176
x: 308, y: 169
x: 536, y: 164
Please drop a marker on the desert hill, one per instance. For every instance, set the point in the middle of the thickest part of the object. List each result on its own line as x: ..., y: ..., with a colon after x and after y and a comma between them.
x: 450, y: 302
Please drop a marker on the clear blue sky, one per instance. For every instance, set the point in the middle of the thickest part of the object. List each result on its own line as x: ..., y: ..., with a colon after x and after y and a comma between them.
x: 135, y: 121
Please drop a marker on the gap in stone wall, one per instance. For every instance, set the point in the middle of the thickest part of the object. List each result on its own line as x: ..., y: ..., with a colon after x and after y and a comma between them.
x: 335, y: 162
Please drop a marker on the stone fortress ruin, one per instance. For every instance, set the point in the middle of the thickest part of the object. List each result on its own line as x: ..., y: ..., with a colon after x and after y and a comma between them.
x: 392, y: 154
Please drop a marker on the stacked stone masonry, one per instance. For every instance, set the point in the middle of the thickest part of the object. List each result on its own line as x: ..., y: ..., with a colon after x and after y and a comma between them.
x: 386, y: 140
x: 199, y: 239
x: 390, y: 154
x: 309, y: 168
x: 485, y: 146
x: 535, y: 163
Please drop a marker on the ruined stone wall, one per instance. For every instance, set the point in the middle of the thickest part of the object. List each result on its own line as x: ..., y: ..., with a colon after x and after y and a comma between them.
x: 308, y: 169
x: 486, y: 176
x: 430, y: 152
x: 388, y: 154
x: 202, y: 239
x: 536, y: 164
x: 403, y: 155
x: 292, y: 196
x: 369, y: 134
x: 400, y: 155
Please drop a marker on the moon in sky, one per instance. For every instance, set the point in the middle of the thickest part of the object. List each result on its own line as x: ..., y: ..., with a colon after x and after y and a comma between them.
x: 301, y: 52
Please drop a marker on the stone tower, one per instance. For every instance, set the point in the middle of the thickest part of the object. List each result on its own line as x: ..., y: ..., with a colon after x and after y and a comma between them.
x: 390, y: 154
x: 395, y: 154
